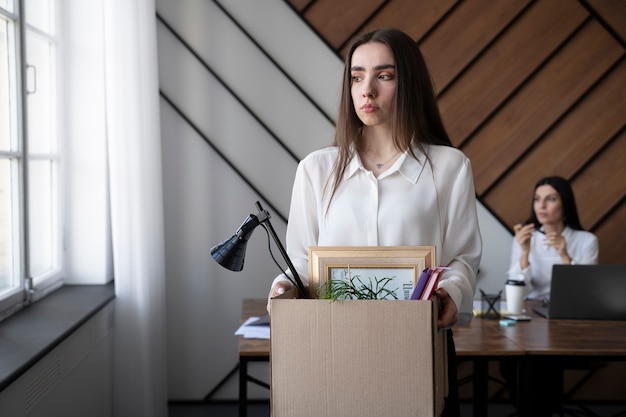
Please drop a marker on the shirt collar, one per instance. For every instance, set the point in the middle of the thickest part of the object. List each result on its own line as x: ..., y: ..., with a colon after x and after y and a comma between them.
x: 354, y: 165
x: 409, y: 167
x: 567, y: 231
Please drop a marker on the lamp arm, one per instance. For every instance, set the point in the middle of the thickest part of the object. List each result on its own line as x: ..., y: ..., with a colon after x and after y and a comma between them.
x: 264, y: 218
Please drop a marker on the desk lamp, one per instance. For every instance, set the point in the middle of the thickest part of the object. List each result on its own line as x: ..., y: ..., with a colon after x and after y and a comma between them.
x: 231, y: 252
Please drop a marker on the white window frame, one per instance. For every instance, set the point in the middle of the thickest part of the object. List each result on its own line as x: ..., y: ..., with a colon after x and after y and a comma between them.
x: 28, y: 285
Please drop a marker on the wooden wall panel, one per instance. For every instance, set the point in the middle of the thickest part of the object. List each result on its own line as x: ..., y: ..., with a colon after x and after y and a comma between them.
x: 613, y: 12
x: 567, y: 148
x: 415, y: 18
x: 506, y: 65
x: 596, y: 186
x: 300, y: 5
x: 526, y: 88
x: 448, y: 51
x: 339, y: 19
x: 611, y: 237
x: 548, y: 95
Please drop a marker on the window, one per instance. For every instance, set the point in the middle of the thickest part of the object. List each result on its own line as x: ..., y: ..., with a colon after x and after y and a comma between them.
x: 30, y: 163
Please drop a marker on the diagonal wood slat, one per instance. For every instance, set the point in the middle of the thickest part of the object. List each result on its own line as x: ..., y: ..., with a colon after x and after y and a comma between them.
x: 543, y: 100
x: 299, y: 5
x: 507, y: 64
x: 596, y: 185
x: 339, y: 19
x: 449, y: 51
x: 612, y: 249
x: 413, y: 17
x: 614, y: 13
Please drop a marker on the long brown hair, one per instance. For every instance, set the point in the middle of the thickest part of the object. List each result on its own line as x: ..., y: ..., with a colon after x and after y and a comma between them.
x: 568, y: 202
x: 416, y: 114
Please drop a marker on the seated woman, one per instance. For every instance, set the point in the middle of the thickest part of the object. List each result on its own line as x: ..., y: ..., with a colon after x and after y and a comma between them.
x: 552, y: 235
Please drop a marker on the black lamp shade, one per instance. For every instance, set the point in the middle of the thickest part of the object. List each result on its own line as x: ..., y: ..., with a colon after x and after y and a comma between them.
x: 230, y: 253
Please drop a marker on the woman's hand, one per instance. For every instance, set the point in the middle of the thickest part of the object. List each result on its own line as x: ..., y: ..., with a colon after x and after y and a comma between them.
x: 279, y: 288
x: 557, y: 241
x: 448, y: 313
x: 522, y: 236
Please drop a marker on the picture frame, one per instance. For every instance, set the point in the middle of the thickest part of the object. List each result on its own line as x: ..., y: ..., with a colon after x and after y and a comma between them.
x: 401, y: 263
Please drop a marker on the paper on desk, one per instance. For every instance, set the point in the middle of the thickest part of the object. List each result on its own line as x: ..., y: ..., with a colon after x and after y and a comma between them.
x: 250, y: 330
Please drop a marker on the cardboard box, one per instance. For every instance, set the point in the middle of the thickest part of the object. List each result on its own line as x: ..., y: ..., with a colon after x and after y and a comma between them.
x: 356, y: 358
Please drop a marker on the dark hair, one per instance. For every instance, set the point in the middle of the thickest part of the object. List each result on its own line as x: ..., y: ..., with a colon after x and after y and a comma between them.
x: 570, y: 212
x: 416, y: 114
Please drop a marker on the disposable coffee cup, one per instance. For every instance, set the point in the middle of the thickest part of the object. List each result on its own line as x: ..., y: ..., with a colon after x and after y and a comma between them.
x: 515, y: 294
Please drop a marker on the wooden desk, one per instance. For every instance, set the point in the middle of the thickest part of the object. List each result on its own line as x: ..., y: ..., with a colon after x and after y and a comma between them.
x: 562, y: 340
x: 570, y: 338
x: 482, y: 341
x: 251, y: 350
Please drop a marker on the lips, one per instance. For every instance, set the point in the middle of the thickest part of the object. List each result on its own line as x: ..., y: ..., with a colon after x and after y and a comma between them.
x: 368, y: 108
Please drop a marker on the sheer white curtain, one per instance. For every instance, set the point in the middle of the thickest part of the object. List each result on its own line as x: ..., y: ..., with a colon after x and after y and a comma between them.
x: 135, y: 175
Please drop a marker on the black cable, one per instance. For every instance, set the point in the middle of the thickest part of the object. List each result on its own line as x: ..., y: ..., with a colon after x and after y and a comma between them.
x: 269, y: 247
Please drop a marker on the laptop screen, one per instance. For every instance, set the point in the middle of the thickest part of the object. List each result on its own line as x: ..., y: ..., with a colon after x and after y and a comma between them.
x: 591, y: 292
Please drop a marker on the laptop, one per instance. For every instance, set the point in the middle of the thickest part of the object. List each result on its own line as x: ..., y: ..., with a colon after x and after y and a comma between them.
x: 588, y: 292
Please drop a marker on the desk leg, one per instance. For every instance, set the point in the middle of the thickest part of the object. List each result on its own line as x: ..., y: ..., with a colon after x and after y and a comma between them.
x: 243, y: 387
x: 522, y: 391
x: 480, y: 387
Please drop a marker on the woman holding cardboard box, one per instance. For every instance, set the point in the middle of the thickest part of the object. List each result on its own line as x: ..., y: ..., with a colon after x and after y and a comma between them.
x: 392, y: 177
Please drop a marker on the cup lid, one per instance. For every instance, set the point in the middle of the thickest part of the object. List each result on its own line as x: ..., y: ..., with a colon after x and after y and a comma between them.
x: 515, y: 282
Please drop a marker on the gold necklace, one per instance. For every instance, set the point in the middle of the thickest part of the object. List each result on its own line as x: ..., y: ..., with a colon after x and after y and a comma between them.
x: 379, y: 165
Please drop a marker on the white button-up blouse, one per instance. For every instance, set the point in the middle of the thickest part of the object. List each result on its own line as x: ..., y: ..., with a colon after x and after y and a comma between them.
x: 582, y: 247
x: 412, y: 203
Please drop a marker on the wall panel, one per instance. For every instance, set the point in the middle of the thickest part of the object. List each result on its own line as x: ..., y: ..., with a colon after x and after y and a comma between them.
x: 613, y: 12
x: 340, y: 19
x: 610, y: 247
x: 544, y: 99
x: 414, y: 17
x: 448, y: 51
x: 506, y: 66
x: 566, y: 149
x: 597, y: 188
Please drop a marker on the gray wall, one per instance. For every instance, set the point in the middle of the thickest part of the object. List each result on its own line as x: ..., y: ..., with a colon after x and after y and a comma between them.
x: 74, y: 379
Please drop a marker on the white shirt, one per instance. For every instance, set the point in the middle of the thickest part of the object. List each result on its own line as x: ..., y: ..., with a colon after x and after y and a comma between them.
x: 411, y: 203
x: 582, y: 247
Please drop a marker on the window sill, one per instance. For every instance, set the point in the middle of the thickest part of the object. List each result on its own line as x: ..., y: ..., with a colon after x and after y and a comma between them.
x: 34, y: 331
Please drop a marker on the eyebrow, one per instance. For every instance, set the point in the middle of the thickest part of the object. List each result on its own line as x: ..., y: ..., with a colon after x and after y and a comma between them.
x: 377, y: 68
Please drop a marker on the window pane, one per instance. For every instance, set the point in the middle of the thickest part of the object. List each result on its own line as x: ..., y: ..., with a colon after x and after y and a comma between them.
x: 39, y: 13
x: 9, y: 241
x: 43, y: 216
x: 40, y: 76
x: 8, y: 85
x: 8, y: 5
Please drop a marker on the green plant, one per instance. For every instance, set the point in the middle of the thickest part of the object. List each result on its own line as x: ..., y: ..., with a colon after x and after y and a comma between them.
x: 355, y: 289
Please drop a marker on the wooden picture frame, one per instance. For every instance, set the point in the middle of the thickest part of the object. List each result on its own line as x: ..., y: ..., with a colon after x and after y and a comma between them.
x: 402, y: 263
